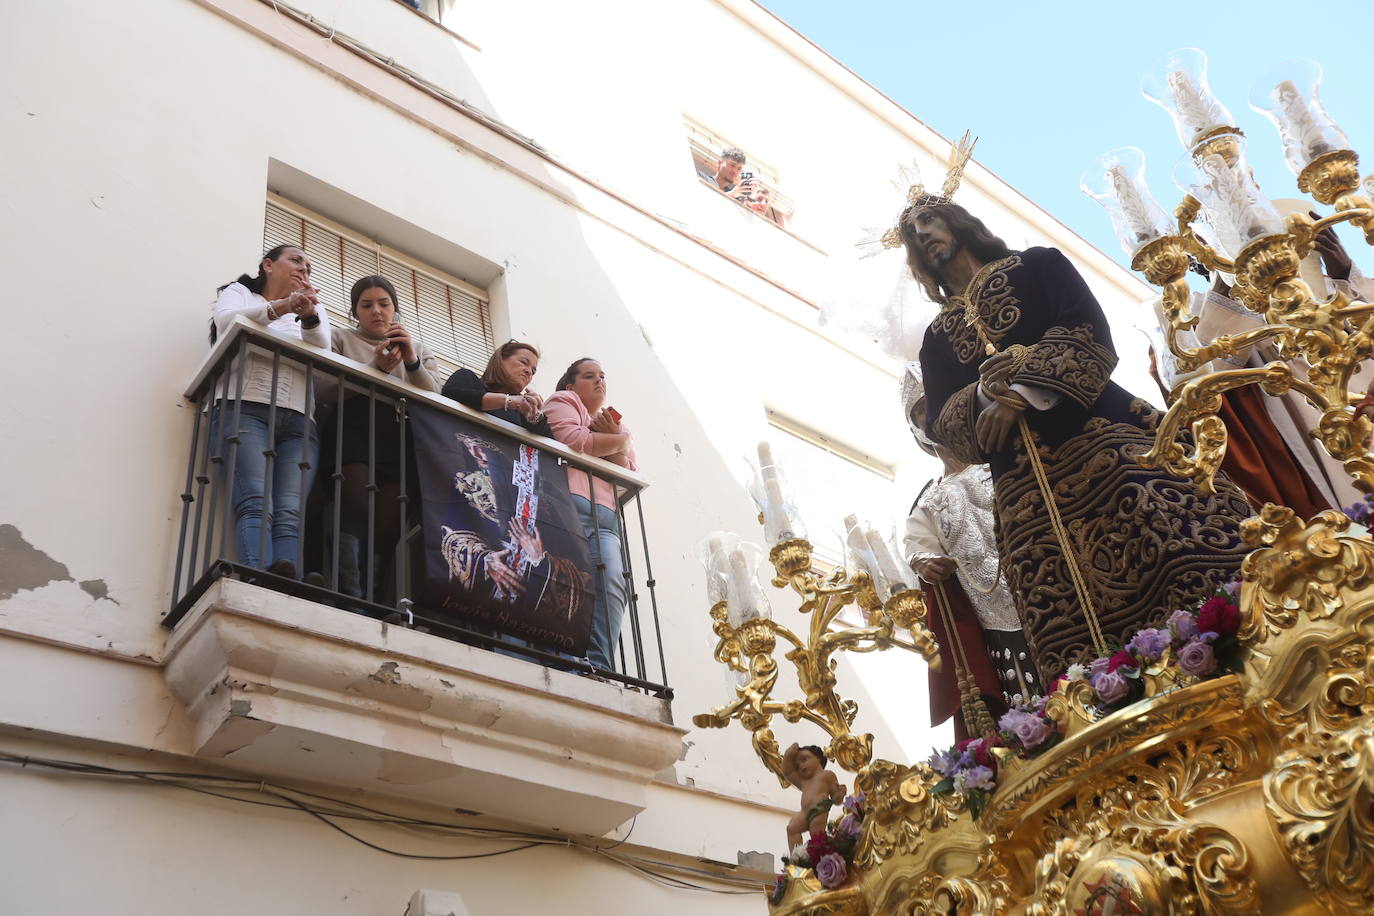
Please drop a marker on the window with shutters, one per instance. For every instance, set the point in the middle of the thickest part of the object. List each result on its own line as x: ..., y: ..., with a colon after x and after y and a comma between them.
x: 450, y: 317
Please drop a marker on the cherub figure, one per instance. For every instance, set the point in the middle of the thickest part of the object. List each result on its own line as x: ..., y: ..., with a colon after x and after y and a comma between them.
x: 804, y: 767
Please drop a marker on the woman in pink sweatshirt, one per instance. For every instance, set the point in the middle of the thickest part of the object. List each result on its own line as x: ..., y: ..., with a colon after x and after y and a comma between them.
x: 579, y: 419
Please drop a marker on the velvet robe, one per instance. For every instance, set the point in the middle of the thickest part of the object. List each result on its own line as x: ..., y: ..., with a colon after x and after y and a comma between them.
x: 1146, y: 543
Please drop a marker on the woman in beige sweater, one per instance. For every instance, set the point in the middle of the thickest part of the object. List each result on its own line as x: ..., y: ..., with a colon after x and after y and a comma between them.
x: 379, y: 341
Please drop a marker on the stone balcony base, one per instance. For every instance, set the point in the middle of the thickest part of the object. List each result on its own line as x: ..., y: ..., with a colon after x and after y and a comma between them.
x: 279, y: 685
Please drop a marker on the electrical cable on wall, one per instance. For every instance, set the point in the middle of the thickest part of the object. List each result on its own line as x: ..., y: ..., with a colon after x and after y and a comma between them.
x: 328, y: 810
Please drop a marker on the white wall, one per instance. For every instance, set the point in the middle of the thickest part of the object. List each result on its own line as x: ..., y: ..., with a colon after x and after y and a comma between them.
x: 139, y: 141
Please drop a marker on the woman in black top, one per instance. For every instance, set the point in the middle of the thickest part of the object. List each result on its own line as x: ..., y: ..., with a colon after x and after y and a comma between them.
x: 502, y: 390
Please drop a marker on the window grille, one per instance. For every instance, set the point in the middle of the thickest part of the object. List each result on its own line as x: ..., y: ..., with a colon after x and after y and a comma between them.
x: 450, y: 317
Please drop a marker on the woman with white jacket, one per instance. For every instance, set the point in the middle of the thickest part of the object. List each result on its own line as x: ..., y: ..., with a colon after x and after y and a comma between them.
x: 281, y: 299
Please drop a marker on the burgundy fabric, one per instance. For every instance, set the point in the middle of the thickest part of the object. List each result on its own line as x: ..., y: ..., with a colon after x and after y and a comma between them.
x: 944, y: 684
x: 1259, y: 461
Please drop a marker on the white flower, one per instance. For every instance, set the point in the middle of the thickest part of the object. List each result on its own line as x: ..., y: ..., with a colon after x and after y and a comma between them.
x: 1077, y: 672
x: 798, y: 856
x: 961, y: 783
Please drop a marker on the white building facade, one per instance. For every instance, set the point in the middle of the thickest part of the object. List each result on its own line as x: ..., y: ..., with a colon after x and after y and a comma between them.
x: 533, y: 162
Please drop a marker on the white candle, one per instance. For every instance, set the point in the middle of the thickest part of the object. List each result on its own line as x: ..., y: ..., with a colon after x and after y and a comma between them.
x: 1192, y: 108
x: 718, y: 566
x: 1133, y: 206
x: 883, y: 556
x: 1303, y: 127
x: 775, y: 519
x: 742, y: 581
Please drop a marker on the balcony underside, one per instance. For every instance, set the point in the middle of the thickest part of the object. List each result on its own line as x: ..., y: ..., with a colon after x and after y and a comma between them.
x: 279, y: 685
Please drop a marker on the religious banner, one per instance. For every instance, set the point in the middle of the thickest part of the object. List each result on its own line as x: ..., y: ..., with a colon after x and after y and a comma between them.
x: 503, y: 546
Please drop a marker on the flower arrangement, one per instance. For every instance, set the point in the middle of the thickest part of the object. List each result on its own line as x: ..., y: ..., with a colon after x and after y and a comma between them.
x: 969, y: 770
x: 1199, y: 643
x: 830, y: 853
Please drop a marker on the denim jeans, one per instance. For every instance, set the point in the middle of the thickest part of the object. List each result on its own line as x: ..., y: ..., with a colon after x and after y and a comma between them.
x: 292, y: 446
x: 603, y: 541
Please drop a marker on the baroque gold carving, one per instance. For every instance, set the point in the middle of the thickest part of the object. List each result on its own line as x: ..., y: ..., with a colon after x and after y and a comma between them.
x: 749, y: 648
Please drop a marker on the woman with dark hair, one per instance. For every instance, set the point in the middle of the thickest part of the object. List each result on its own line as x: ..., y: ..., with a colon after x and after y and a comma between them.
x: 379, y: 340
x: 281, y: 299
x: 580, y: 419
x: 502, y: 389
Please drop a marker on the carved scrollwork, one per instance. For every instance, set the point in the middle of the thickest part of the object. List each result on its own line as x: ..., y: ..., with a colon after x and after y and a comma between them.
x: 1300, y: 569
x: 1321, y: 800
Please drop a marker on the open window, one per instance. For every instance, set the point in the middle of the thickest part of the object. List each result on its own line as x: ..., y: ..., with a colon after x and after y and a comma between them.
x: 763, y: 196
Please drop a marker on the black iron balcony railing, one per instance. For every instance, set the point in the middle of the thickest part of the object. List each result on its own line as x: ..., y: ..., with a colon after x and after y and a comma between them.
x: 222, y: 483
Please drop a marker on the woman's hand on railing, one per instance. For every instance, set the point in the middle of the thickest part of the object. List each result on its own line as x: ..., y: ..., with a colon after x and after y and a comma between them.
x: 530, y: 405
x: 302, y: 301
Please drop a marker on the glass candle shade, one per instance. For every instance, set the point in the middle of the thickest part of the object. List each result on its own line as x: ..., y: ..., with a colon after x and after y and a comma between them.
x: 714, y: 553
x: 1116, y: 180
x: 745, y: 597
x: 773, y: 496
x: 1288, y: 96
x: 1232, y: 201
x: 1180, y: 88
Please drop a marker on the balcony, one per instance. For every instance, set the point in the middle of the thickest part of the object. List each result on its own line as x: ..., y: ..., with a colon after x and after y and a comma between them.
x: 391, y: 679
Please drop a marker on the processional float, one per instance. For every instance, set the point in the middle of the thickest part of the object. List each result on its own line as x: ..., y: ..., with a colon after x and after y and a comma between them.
x: 1203, y: 791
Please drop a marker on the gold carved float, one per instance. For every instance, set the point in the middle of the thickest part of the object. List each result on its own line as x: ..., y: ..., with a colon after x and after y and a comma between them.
x: 1249, y: 793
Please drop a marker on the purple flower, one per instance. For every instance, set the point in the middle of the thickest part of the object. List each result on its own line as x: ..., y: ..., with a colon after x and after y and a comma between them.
x: 1232, y: 588
x: 979, y: 777
x: 1149, y: 644
x: 1011, y: 719
x: 1196, y: 658
x: 1183, y: 625
x: 1110, y: 686
x: 830, y: 870
x: 849, y: 826
x: 1033, y: 732
x: 1097, y: 666
x: 1358, y: 512
x: 944, y: 762
x: 855, y: 803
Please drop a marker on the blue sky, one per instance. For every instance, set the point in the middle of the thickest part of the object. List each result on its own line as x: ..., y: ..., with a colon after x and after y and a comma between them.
x: 1047, y: 85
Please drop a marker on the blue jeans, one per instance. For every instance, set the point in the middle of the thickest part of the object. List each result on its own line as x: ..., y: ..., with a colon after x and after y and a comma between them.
x: 294, y: 441
x: 603, y: 541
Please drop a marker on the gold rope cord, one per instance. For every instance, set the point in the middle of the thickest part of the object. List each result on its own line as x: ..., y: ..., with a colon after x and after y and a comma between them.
x: 977, y: 717
x: 1046, y: 493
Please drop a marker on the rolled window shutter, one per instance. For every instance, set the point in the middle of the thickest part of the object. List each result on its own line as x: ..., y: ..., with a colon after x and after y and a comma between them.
x: 454, y: 321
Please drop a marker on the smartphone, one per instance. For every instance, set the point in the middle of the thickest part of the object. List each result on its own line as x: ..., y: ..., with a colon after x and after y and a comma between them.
x: 613, y: 414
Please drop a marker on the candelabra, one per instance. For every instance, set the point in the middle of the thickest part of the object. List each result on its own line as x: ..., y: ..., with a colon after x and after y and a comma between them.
x: 748, y: 636
x: 1226, y: 224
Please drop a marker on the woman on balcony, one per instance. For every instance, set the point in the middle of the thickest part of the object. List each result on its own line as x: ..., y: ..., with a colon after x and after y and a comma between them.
x: 579, y: 417
x: 502, y: 390
x: 281, y: 299
x: 379, y: 340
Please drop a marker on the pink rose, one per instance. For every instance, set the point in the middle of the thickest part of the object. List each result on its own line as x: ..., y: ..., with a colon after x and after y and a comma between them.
x: 1196, y: 658
x: 1033, y: 731
x: 1183, y: 624
x: 1110, y: 686
x: 831, y: 871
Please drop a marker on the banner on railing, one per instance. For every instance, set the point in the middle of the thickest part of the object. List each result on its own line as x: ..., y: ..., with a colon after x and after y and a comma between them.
x: 503, y: 547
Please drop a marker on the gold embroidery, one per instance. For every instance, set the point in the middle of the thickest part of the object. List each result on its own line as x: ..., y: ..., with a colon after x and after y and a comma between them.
x: 998, y: 310
x: 1146, y: 542
x: 954, y: 427
x: 1070, y: 361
